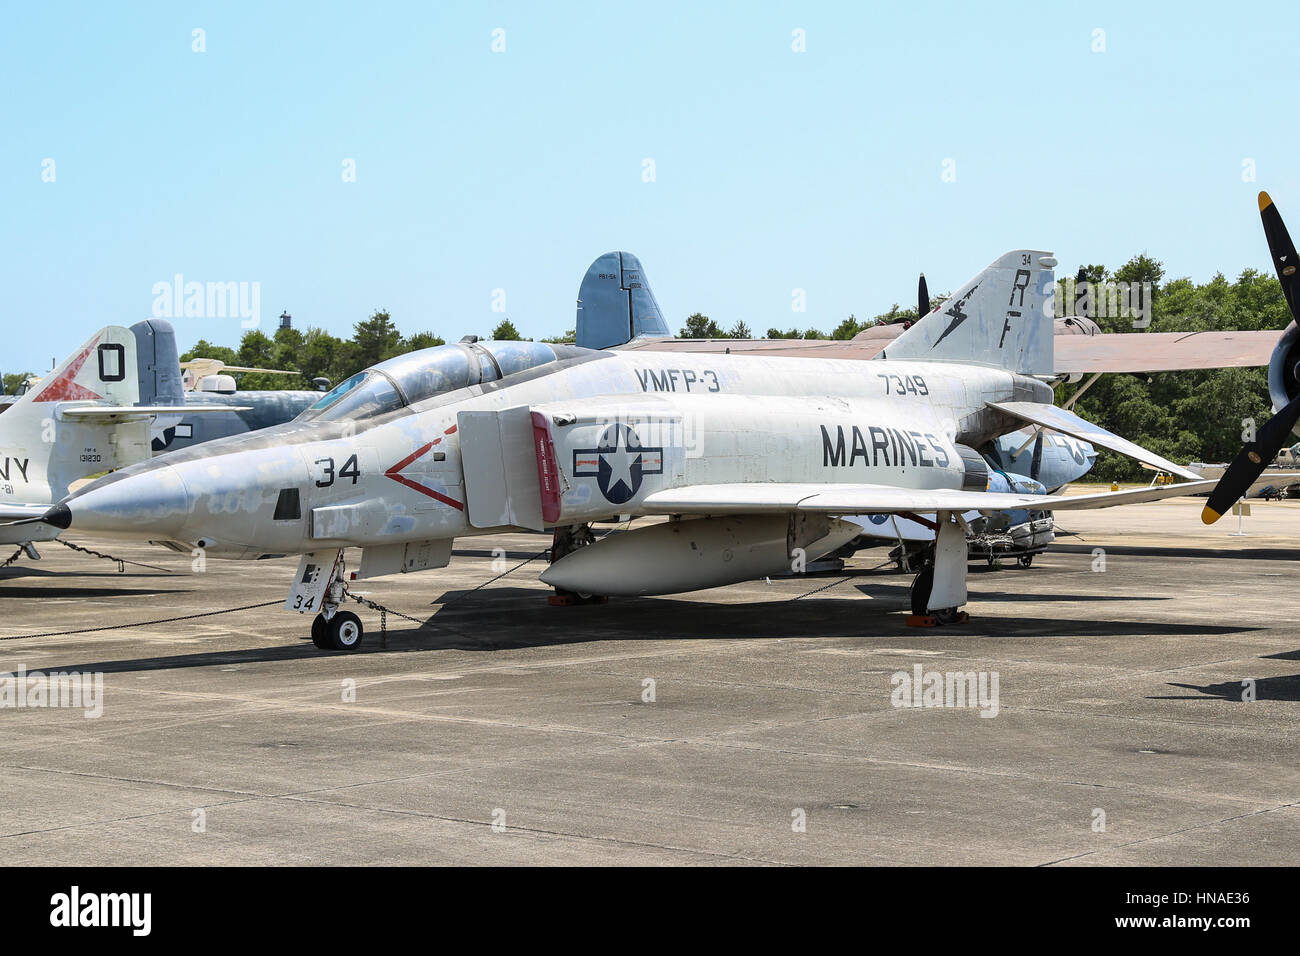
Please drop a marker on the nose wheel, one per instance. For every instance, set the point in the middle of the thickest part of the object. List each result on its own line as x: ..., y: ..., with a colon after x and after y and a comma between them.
x: 342, y: 632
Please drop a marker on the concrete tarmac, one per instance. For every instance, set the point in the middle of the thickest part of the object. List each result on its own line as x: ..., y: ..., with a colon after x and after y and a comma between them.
x: 753, y: 724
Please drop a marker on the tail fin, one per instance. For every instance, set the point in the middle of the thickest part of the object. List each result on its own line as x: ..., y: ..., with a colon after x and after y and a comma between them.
x: 615, y: 304
x: 159, y: 363
x: 103, y: 369
x: 43, y: 452
x: 1002, y: 318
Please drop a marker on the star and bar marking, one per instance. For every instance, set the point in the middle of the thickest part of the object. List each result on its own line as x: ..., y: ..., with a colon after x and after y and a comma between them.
x: 619, y: 459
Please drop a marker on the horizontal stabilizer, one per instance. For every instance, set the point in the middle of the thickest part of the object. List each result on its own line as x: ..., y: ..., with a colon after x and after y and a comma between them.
x: 1068, y: 423
x: 122, y: 413
x: 882, y: 499
x: 17, y: 511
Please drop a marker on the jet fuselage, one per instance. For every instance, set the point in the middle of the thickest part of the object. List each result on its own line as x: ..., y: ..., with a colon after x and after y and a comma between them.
x: 382, y: 475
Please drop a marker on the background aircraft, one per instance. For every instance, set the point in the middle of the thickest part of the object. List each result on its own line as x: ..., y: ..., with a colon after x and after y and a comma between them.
x: 755, y: 459
x: 91, y: 414
x: 115, y: 401
x: 1283, y: 378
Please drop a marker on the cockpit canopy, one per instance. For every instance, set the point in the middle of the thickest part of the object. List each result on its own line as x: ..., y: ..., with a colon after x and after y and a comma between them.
x: 416, y: 376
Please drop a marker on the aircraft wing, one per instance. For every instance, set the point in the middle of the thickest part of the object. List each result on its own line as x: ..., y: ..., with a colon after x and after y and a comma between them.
x: 879, y: 499
x: 1162, y: 351
x: 1074, y: 354
x: 102, y: 413
x: 1068, y: 423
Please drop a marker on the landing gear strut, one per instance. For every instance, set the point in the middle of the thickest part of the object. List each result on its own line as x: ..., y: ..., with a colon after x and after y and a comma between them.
x: 566, y: 541
x: 939, y: 591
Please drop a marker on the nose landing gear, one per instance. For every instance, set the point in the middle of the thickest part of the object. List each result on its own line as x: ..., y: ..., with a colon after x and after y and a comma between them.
x: 319, y: 585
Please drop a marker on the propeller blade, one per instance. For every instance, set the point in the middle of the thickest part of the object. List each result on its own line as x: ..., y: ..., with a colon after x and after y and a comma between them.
x: 1282, y: 249
x: 922, y: 298
x: 1251, y: 462
x: 1036, y: 464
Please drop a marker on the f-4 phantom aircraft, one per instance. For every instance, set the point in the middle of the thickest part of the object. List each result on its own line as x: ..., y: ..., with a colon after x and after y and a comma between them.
x: 755, y: 461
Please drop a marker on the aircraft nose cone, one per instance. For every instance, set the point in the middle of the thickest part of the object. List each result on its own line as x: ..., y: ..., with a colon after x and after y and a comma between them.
x: 150, y: 505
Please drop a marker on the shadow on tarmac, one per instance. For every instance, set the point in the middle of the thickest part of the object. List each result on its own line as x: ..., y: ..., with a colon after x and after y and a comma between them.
x: 506, y: 618
x: 1266, y: 688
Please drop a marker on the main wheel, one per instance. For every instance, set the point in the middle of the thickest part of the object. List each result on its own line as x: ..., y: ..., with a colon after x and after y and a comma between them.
x: 320, y: 633
x: 922, y: 585
x: 345, y: 631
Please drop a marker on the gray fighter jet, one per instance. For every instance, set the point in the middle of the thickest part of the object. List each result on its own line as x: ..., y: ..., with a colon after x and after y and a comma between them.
x: 755, y: 461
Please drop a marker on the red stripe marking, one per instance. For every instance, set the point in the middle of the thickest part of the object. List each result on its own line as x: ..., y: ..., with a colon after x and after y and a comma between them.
x: 408, y: 459
x: 415, y: 485
x: 435, y: 495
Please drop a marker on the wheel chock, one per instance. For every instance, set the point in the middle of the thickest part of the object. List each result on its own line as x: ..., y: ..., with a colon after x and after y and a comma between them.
x: 573, y: 600
x: 931, y: 620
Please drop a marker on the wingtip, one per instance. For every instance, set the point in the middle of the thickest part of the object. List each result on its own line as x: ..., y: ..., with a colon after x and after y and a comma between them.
x: 1264, y: 201
x: 1209, y: 515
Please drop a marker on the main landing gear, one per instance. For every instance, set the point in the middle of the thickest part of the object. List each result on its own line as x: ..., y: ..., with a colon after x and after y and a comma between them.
x: 566, y: 541
x: 939, y: 590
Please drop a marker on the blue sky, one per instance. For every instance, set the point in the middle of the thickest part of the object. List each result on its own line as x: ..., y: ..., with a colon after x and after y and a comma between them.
x: 476, y: 171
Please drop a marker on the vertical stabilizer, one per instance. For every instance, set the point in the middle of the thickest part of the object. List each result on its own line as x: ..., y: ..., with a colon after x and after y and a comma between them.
x: 158, y: 362
x: 615, y: 304
x: 1002, y: 318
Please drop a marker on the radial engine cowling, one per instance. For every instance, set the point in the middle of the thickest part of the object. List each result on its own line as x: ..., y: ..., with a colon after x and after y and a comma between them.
x: 1284, y: 369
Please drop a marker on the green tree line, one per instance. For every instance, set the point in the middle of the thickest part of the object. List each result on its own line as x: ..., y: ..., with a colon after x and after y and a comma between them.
x: 316, y: 353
